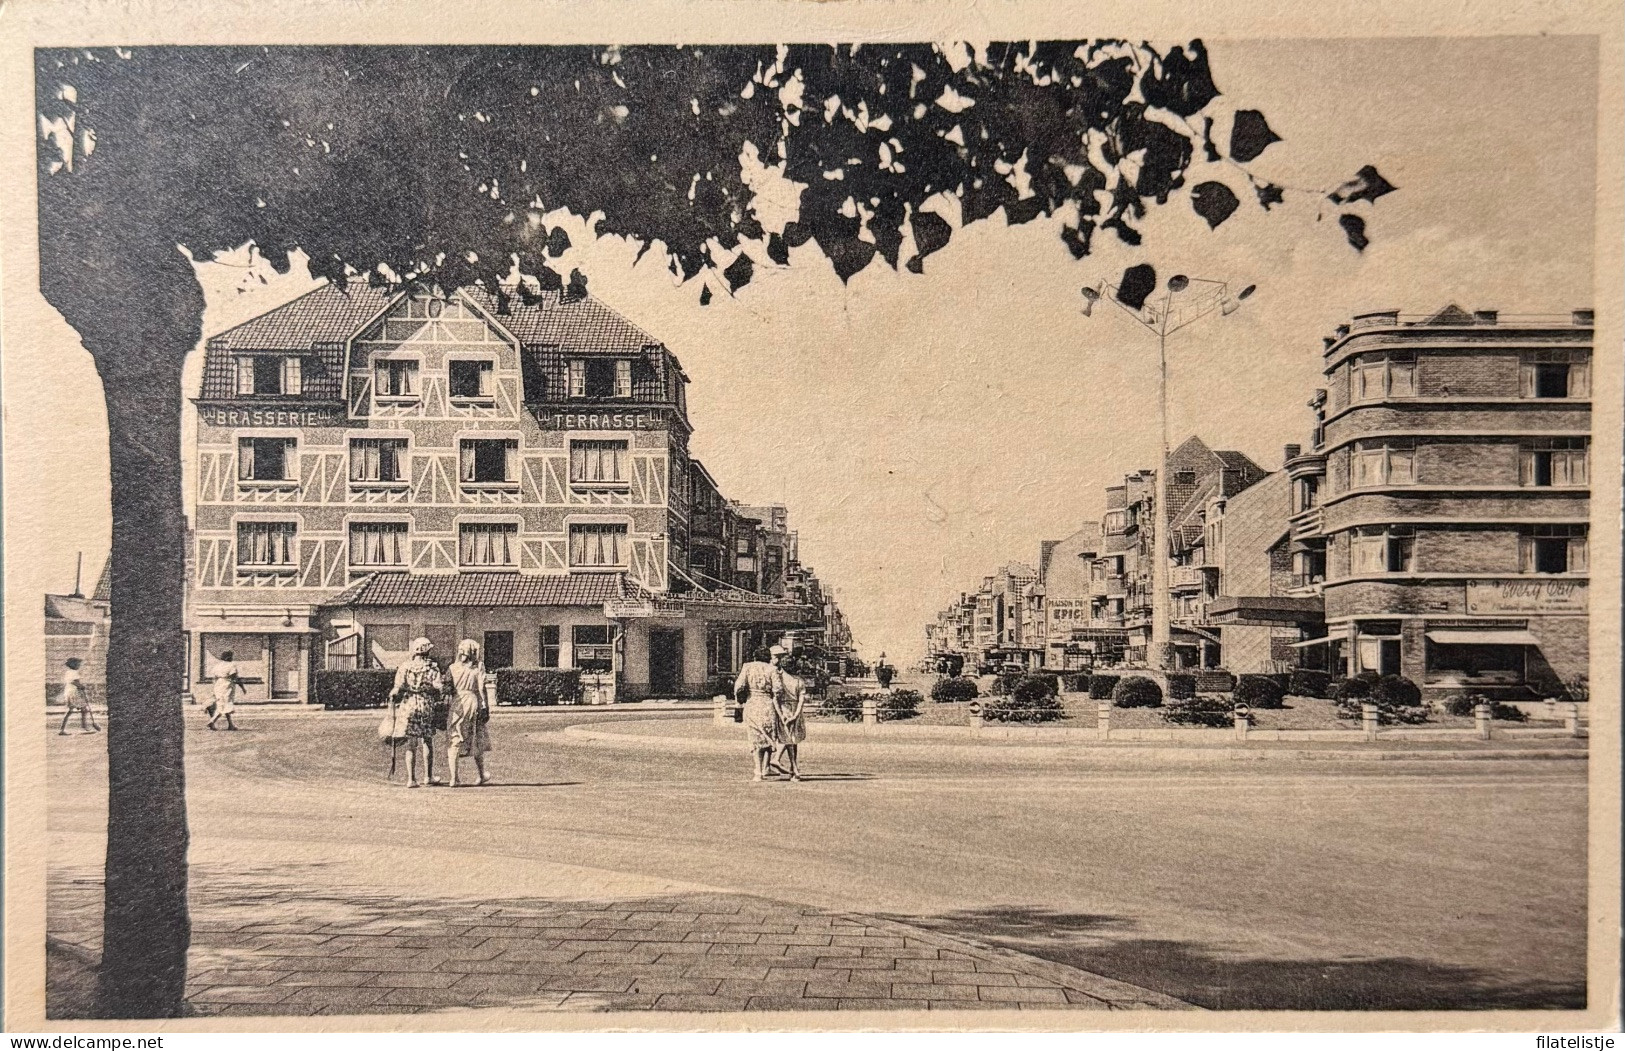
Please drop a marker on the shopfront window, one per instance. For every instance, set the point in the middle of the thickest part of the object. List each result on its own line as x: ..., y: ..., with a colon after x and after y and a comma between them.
x: 592, y: 647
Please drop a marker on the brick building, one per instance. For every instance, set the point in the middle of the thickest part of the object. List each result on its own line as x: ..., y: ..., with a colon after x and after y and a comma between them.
x: 1443, y: 508
x: 374, y: 465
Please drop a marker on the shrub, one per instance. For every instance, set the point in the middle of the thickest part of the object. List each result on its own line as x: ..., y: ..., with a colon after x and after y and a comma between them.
x: 1201, y: 710
x: 1577, y: 689
x: 1396, y: 691
x: 1305, y: 682
x: 1508, y: 713
x: 1259, y: 691
x: 1101, y: 687
x: 1004, y: 682
x: 367, y: 688
x: 1356, y: 689
x: 1462, y: 704
x: 1075, y: 681
x: 1033, y: 687
x: 957, y: 688
x: 1181, y: 686
x: 848, y: 706
x: 538, y: 686
x: 899, y: 704
x: 1136, y: 691
x: 1038, y: 706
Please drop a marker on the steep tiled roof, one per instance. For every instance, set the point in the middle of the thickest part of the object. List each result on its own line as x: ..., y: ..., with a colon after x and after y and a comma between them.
x: 322, y: 315
x: 104, y: 583
x: 486, y: 589
x: 577, y: 324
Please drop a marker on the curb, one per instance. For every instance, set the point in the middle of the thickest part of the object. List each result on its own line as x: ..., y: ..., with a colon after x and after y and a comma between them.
x: 1129, y: 750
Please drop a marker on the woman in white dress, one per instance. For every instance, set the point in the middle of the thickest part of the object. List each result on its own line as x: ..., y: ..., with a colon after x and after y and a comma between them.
x: 465, y: 726
x: 227, y: 681
x: 792, y: 701
x: 757, y: 688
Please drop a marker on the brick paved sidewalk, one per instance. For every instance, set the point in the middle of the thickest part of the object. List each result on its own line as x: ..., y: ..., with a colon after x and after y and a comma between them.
x: 261, y: 946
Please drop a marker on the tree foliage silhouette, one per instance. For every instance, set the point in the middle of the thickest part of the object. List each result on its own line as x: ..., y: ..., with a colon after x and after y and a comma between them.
x: 440, y: 165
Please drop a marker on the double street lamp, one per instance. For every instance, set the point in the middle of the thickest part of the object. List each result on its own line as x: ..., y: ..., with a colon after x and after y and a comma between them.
x: 1184, y: 301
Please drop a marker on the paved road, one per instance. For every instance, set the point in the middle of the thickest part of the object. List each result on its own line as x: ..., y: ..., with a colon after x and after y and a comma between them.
x: 1276, y: 885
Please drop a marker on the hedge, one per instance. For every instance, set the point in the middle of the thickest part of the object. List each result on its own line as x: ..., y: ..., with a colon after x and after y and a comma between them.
x: 1101, y: 686
x: 1181, y: 686
x: 1201, y: 710
x: 1038, y: 706
x: 366, y: 688
x: 848, y: 706
x: 1465, y: 703
x: 538, y: 686
x: 1259, y: 691
x: 955, y: 688
x: 1306, y: 682
x: 1396, y: 691
x: 1075, y: 681
x: 1136, y: 691
x: 1397, y: 699
x: 1214, y: 680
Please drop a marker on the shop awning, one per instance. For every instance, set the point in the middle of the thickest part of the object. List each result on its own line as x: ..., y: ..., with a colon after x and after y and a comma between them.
x: 1323, y: 640
x: 1481, y: 637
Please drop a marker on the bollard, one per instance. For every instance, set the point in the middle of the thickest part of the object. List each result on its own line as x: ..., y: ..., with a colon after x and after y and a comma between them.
x: 975, y: 709
x: 490, y: 688
x: 1368, y: 716
x: 1571, y: 720
x: 1481, y: 720
x: 1244, y: 722
x: 719, y: 709
x: 871, y: 715
x: 1551, y: 708
x: 1103, y: 718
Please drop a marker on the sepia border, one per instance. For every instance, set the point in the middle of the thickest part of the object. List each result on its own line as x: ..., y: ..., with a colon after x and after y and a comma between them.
x: 26, y: 24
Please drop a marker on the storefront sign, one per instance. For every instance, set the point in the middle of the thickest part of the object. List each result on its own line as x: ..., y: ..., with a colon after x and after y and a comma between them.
x: 616, y: 608
x: 608, y: 421
x: 1068, y: 610
x: 222, y: 417
x: 1526, y: 596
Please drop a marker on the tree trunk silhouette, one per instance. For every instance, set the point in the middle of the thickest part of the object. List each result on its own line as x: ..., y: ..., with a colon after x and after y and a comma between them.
x: 139, y: 313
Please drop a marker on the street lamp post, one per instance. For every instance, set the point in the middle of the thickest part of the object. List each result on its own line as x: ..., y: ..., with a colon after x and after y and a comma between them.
x: 1163, y: 320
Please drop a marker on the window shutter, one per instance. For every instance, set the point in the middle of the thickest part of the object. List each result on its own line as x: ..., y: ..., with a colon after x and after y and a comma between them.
x: 1402, y: 378
x: 292, y: 376
x: 623, y: 378
x: 466, y: 471
x: 1526, y: 379
x: 245, y: 459
x: 245, y: 375
x: 1526, y: 554
x: 578, y: 379
x: 1580, y: 378
x: 1579, y: 467
x: 510, y: 462
x: 1401, y: 466
x: 1577, y: 555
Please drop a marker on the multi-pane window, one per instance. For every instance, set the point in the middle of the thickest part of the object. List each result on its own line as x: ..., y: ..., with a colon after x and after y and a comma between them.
x: 377, y: 459
x: 489, y: 461
x: 265, y: 459
x: 1375, y: 378
x: 469, y: 379
x: 1382, y: 463
x: 601, y: 378
x: 488, y: 544
x: 1553, y: 549
x: 595, y: 462
x: 395, y: 378
x: 547, y: 646
x: 592, y: 647
x: 1555, y: 374
x: 266, y: 543
x: 1306, y: 493
x: 598, y: 545
x: 1553, y: 461
x: 270, y: 374
x: 378, y: 543
x: 1382, y: 549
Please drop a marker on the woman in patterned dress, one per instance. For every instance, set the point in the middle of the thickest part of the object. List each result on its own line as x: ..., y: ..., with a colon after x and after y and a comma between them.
x: 419, y: 685
x: 465, y: 726
x: 792, y: 703
x: 758, y: 688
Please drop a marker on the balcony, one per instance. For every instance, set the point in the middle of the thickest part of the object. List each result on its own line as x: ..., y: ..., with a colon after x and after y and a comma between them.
x: 1185, y: 578
x: 1310, y: 523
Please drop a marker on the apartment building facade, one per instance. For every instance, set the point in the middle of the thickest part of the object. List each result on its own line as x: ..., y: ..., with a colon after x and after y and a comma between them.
x: 374, y: 465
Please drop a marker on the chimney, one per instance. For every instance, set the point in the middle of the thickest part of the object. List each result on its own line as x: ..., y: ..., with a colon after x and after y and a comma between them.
x: 1485, y: 317
x: 1291, y: 452
x: 1585, y: 317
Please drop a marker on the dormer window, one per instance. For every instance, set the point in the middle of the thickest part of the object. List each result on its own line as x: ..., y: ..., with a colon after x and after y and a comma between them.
x: 601, y: 378
x: 470, y: 380
x: 269, y: 374
x: 396, y: 379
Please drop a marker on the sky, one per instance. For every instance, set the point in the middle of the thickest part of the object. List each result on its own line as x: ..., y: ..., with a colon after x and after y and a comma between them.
x: 924, y: 429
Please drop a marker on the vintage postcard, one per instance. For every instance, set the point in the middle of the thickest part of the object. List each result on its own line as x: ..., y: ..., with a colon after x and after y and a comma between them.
x: 811, y: 516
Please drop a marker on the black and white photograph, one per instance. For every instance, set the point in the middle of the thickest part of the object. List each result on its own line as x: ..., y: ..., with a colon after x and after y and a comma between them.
x: 806, y: 517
